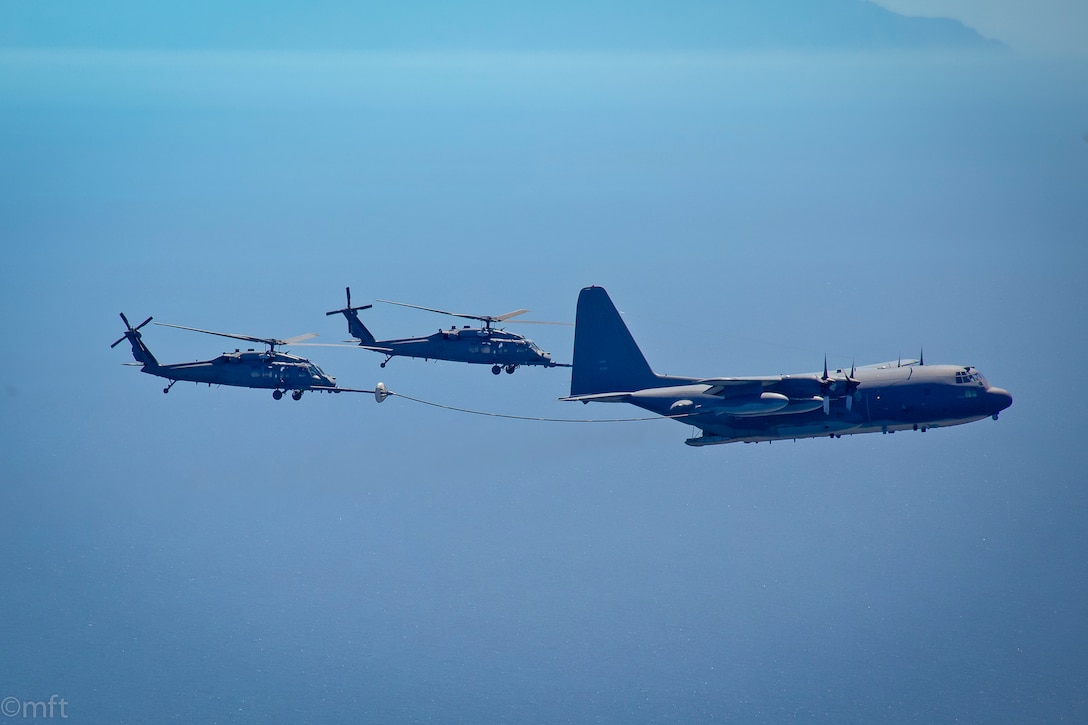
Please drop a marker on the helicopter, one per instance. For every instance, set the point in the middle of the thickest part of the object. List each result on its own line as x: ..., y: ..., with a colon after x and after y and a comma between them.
x: 485, y: 345
x: 249, y: 369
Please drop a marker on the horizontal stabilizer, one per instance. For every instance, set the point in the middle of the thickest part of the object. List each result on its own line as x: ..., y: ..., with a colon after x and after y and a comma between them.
x: 598, y: 398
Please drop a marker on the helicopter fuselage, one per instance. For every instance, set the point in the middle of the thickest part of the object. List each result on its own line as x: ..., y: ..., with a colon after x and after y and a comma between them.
x: 249, y: 369
x: 470, y: 345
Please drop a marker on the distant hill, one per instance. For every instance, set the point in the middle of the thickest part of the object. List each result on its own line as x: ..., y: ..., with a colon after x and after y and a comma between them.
x: 479, y: 25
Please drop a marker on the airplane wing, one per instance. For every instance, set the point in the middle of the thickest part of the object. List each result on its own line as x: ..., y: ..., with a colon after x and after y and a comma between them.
x: 794, y: 386
x: 726, y: 387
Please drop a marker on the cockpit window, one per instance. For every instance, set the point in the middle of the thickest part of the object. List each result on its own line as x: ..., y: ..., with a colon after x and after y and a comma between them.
x: 964, y: 378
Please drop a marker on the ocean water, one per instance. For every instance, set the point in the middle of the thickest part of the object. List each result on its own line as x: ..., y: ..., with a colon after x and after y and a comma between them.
x: 216, y: 556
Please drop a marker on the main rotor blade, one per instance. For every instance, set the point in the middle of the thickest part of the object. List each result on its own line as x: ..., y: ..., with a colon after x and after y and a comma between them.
x: 541, y: 322
x: 481, y: 318
x: 508, y: 315
x: 297, y: 338
x: 249, y: 338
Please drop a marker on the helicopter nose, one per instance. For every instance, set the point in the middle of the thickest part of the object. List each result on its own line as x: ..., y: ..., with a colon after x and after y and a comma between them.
x: 997, y: 399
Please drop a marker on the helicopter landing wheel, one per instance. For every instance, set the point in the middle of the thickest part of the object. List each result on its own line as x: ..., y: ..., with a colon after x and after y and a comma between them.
x: 296, y: 395
x: 496, y: 369
x: 382, y: 365
x: 167, y: 388
x: 277, y: 394
x: 510, y: 369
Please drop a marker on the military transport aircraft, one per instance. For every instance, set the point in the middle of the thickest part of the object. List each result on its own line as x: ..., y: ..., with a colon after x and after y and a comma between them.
x: 609, y: 367
x: 250, y: 369
x: 480, y: 345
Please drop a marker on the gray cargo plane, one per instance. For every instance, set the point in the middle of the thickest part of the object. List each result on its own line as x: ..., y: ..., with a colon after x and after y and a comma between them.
x: 888, y: 397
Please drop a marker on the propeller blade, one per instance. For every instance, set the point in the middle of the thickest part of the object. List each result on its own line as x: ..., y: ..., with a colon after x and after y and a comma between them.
x: 125, y: 320
x: 142, y: 323
x: 119, y: 341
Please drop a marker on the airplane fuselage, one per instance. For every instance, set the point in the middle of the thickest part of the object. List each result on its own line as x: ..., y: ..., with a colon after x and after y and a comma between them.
x: 884, y: 398
x: 888, y: 397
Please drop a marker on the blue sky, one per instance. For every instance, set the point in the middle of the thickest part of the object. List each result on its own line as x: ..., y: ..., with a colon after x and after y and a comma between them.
x: 214, y: 554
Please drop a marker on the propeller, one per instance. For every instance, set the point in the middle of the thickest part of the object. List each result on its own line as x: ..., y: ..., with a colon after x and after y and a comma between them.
x: 827, y: 384
x: 486, y: 319
x: 270, y: 341
x: 852, y: 384
x: 131, y: 330
x: 349, y: 308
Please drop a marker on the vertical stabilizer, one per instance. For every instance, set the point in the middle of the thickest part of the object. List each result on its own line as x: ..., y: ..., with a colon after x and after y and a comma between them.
x: 606, y: 357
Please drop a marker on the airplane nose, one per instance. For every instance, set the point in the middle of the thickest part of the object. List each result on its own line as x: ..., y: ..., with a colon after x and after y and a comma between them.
x: 997, y: 399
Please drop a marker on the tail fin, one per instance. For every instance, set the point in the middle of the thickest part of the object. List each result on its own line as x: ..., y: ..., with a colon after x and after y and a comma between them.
x: 140, y: 353
x: 356, y: 328
x: 606, y: 357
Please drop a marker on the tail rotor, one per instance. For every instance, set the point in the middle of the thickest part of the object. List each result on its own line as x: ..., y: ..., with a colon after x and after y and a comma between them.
x: 348, y: 308
x: 131, y: 330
